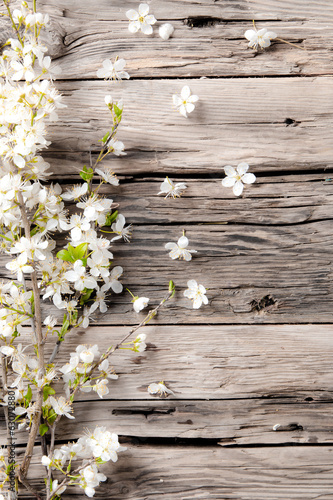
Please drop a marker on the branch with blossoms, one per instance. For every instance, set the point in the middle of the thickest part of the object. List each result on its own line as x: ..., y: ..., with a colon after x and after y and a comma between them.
x: 77, y: 278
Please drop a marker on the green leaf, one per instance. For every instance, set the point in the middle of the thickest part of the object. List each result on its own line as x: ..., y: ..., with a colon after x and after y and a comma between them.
x: 43, y: 428
x: 111, y: 218
x: 64, y: 255
x: 28, y: 395
x: 86, y: 296
x: 172, y: 288
x: 118, y: 112
x: 87, y: 174
x: 79, y: 251
x: 105, y: 138
x: 64, y: 327
x: 47, y: 391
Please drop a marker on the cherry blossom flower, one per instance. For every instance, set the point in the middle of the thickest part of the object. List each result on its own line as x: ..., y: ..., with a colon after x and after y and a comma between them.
x: 90, y: 478
x: 196, y: 293
x: 116, y: 147
x: 107, y: 175
x: 236, y: 178
x: 119, y: 228
x: 101, y: 388
x: 78, y: 224
x: 20, y: 266
x: 166, y: 30
x: 170, y: 189
x: 55, y: 485
x: 115, y: 285
x: 139, y: 343
x: 260, y: 38
x: 75, y: 192
x: 141, y: 20
x: 113, y: 71
x: 61, y: 406
x: 87, y: 354
x: 179, y: 249
x: 185, y: 102
x: 159, y: 389
x: 79, y: 277
x: 140, y: 303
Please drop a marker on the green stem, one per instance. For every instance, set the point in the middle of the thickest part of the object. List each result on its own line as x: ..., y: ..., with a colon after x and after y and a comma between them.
x: 13, y: 24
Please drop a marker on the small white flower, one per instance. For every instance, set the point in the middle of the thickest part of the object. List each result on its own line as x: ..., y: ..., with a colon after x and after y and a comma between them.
x: 179, y: 249
x: 113, y: 71
x: 61, y: 406
x: 185, y: 102
x: 55, y: 488
x: 79, y: 277
x: 166, y: 30
x: 160, y: 389
x: 260, y: 38
x: 197, y: 293
x: 108, y: 176
x: 170, y: 189
x: 50, y: 321
x: 236, y: 178
x: 6, y: 350
x: 141, y: 20
x: 140, y: 303
x: 46, y: 461
x: 87, y: 354
x: 75, y: 192
x: 119, y: 228
x: 139, y: 343
x: 115, y: 147
x: 101, y: 387
x: 19, y: 266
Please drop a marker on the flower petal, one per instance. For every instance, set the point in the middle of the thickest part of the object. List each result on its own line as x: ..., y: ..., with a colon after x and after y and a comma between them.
x: 189, y: 107
x: 143, y: 9
x: 230, y: 171
x: 132, y: 15
x: 146, y: 28
x: 185, y: 93
x: 134, y: 26
x: 150, y: 19
x: 228, y: 182
x: 249, y: 178
x: 250, y: 35
x: 238, y: 188
x: 242, y: 168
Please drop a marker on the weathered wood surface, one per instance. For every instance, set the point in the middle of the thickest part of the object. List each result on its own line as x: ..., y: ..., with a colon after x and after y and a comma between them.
x: 197, y: 472
x: 236, y: 366
x: 230, y: 422
x: 217, y: 362
x: 241, y: 120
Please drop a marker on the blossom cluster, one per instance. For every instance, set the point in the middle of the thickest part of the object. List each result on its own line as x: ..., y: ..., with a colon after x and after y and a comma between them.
x: 94, y: 448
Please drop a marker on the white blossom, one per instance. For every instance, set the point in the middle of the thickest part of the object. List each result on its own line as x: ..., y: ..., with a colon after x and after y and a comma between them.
x: 160, y: 389
x: 196, y: 293
x: 119, y: 228
x: 107, y: 175
x: 90, y: 478
x: 166, y: 30
x: 179, y: 250
x: 79, y: 277
x: 20, y: 266
x: 185, y: 102
x: 170, y: 189
x: 113, y: 71
x: 75, y: 192
x: 139, y: 343
x: 260, y: 38
x: 236, y: 178
x: 61, y: 406
x: 101, y: 388
x: 141, y: 20
x: 140, y: 303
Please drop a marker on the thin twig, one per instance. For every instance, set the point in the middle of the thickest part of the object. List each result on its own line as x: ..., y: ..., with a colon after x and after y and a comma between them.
x: 40, y: 351
x: 28, y: 486
x: 111, y: 349
x: 4, y: 387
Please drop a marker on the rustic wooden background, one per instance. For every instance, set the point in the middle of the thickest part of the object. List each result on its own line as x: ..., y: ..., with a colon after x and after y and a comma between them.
x: 261, y: 353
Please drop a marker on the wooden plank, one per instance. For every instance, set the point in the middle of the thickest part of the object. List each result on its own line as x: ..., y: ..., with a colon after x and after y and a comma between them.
x: 194, y: 472
x: 173, y: 9
x: 218, y: 49
x: 255, y: 274
x: 217, y: 362
x: 232, y: 422
x: 245, y: 121
x: 276, y: 200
